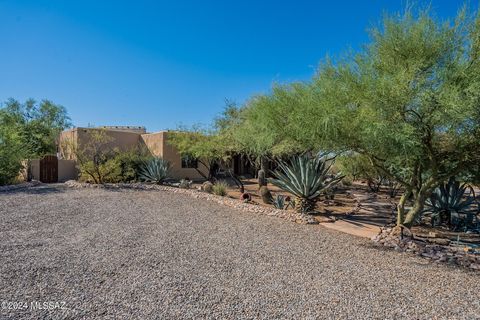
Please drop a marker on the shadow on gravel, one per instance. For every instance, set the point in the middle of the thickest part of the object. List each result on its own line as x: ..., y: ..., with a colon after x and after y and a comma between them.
x: 41, y: 189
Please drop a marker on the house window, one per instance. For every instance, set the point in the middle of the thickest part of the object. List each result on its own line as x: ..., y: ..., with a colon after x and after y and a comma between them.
x: 189, y: 162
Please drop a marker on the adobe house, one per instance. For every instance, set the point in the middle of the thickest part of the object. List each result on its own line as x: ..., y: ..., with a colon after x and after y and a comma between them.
x: 130, y: 137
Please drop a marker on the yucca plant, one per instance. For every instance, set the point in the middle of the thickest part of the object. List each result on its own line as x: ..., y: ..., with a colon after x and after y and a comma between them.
x: 453, y: 204
x: 154, y: 170
x: 306, y: 178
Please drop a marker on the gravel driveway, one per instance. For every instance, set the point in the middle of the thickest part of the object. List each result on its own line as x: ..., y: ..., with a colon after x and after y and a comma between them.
x: 104, y: 254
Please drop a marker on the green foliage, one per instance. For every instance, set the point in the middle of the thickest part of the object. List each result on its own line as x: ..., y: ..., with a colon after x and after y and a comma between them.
x: 306, y: 178
x: 279, y: 202
x: 130, y: 163
x: 220, y: 188
x: 10, y: 159
x: 454, y: 204
x: 38, y: 125
x: 117, y: 167
x: 407, y: 103
x: 98, y: 162
x: 202, y: 145
x: 26, y: 131
x: 155, y: 170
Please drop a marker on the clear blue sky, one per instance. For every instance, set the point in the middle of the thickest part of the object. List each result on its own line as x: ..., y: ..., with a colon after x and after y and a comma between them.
x: 161, y: 64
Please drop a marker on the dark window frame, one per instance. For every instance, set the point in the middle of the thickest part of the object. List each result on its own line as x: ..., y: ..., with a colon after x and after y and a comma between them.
x: 189, y: 162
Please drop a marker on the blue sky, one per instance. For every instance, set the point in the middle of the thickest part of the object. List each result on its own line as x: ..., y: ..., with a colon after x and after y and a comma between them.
x: 163, y: 64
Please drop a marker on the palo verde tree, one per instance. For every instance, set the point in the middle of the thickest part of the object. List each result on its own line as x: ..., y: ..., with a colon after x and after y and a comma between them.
x: 211, y: 146
x: 410, y: 103
x: 265, y: 127
x: 200, y: 144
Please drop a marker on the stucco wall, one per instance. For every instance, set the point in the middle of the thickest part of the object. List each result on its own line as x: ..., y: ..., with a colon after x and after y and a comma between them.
x: 79, y: 137
x: 35, y: 169
x: 154, y: 143
x: 158, y: 145
x: 66, y: 170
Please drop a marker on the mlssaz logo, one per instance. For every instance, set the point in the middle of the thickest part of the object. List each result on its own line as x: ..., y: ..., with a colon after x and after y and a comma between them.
x: 47, y: 305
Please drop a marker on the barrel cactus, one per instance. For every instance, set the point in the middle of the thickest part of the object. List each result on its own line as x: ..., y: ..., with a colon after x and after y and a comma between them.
x: 262, y: 180
x: 266, y: 195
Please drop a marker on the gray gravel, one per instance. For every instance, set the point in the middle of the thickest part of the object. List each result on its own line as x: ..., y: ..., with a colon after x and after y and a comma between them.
x: 147, y: 254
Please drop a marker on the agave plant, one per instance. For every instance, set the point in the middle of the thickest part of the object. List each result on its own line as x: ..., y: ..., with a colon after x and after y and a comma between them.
x: 154, y: 170
x: 453, y: 204
x: 279, y: 201
x: 306, y: 178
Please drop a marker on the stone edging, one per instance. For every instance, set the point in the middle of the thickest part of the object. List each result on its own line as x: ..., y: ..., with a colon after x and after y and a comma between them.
x: 455, y: 255
x: 22, y: 185
x: 233, y: 203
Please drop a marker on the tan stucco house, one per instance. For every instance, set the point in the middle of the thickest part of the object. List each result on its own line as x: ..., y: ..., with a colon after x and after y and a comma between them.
x: 130, y: 137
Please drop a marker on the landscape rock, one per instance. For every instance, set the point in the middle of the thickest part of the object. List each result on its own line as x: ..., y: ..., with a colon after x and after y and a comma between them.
x: 435, y: 249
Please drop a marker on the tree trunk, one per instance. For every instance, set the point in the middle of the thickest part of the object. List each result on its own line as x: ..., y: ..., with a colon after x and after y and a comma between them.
x: 401, y: 207
x: 264, y: 164
x: 418, y: 206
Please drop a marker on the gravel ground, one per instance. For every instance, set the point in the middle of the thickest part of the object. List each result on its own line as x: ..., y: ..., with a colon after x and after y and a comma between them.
x: 104, y: 254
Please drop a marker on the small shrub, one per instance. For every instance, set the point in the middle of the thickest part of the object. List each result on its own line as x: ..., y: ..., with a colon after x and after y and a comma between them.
x: 113, y: 167
x: 347, y: 181
x: 155, y: 170
x: 220, y: 188
x: 279, y: 202
x: 10, y: 167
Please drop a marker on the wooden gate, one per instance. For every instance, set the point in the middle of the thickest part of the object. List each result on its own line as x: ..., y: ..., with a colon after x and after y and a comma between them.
x: 49, y: 169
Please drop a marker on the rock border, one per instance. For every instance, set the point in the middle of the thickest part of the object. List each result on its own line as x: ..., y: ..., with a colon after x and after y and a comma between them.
x: 229, y: 202
x: 22, y: 185
x: 460, y: 255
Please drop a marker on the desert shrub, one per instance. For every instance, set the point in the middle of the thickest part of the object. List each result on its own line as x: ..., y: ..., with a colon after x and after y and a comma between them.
x: 114, y: 167
x: 10, y: 156
x: 130, y: 163
x: 220, y: 188
x: 10, y: 167
x: 347, y: 182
